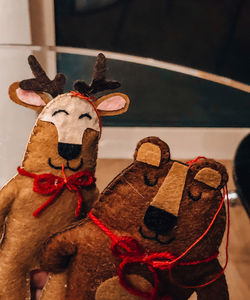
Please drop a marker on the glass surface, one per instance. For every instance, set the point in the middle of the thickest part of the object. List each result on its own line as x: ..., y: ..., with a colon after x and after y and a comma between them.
x: 160, y: 97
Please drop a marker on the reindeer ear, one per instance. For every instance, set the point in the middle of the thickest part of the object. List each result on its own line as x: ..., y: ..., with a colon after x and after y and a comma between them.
x: 152, y: 151
x: 30, y: 99
x: 112, y: 104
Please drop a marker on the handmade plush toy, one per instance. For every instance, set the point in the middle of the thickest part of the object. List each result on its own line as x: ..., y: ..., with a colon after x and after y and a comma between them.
x: 55, y: 185
x: 153, y: 234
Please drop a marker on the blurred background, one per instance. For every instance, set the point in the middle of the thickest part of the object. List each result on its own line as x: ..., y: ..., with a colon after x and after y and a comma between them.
x: 208, y: 35
x: 185, y: 65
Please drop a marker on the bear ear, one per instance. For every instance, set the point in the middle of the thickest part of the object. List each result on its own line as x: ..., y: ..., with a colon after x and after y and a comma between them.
x: 152, y: 151
x: 211, y: 173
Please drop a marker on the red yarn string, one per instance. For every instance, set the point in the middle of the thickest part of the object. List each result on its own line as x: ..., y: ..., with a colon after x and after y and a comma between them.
x: 113, y: 237
x: 88, y: 99
x: 47, y: 184
x: 77, y: 94
x: 204, y: 233
x: 225, y: 193
x: 129, y: 250
x: 191, y: 162
x: 65, y: 178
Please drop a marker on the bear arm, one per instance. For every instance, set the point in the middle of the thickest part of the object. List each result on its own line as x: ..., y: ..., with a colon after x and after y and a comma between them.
x: 217, y: 290
x: 57, y: 252
x: 7, y: 197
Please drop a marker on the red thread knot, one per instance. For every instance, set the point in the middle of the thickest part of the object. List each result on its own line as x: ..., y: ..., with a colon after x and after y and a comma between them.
x: 49, y: 184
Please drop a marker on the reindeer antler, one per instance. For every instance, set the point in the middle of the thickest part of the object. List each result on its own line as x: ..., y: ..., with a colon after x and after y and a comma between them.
x: 99, y: 83
x: 41, y: 82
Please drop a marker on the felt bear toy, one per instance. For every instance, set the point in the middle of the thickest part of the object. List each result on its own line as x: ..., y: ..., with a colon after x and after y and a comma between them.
x: 154, y: 233
x: 55, y: 186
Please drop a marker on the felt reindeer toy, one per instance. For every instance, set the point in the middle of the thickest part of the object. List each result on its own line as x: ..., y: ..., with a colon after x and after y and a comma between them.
x: 55, y: 186
x: 153, y: 234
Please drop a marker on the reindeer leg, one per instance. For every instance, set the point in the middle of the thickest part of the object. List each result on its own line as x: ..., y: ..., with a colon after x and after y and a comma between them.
x: 14, y: 282
x: 7, y: 196
x: 8, y: 272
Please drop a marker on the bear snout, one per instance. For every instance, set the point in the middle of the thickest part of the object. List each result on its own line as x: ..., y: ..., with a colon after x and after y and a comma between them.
x: 159, y: 220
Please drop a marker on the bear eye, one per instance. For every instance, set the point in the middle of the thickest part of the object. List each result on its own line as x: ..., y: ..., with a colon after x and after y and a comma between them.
x: 195, y: 193
x: 148, y: 182
x: 194, y: 197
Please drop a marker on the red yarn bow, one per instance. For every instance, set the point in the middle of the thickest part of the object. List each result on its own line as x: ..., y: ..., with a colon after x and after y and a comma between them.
x: 130, y: 252
x: 47, y: 184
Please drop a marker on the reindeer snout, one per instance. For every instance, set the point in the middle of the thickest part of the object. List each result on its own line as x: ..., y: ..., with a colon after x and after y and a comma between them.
x: 159, y: 220
x: 69, y: 151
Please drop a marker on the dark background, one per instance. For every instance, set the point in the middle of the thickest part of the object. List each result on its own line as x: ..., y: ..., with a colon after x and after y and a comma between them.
x: 208, y: 35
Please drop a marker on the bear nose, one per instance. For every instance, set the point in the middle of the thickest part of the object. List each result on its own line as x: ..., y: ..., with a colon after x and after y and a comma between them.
x: 69, y: 151
x: 159, y: 220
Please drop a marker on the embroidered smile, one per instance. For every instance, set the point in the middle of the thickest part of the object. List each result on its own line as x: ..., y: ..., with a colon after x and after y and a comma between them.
x: 156, y: 237
x: 67, y: 165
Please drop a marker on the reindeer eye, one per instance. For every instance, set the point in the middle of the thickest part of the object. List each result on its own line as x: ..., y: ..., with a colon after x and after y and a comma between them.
x: 59, y: 111
x: 85, y: 115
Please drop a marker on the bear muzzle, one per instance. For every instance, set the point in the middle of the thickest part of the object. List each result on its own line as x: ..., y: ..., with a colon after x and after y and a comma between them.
x: 159, y: 220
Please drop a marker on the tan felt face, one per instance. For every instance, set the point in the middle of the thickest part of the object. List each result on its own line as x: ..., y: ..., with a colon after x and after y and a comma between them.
x: 170, y: 193
x: 71, y: 116
x: 209, y: 176
x: 150, y: 154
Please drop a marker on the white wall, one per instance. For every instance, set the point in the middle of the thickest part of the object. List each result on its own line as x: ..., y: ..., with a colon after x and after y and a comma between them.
x: 184, y: 143
x: 14, y: 22
x: 16, y: 122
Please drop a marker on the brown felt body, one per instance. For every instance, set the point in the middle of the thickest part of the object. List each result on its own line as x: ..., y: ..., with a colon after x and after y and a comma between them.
x: 55, y: 142
x: 25, y: 234
x: 122, y: 208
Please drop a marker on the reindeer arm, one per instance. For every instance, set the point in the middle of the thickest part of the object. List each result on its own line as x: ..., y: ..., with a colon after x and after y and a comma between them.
x: 7, y: 196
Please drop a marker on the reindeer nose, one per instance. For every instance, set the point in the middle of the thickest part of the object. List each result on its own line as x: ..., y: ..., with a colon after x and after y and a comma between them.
x: 159, y: 220
x: 69, y: 151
